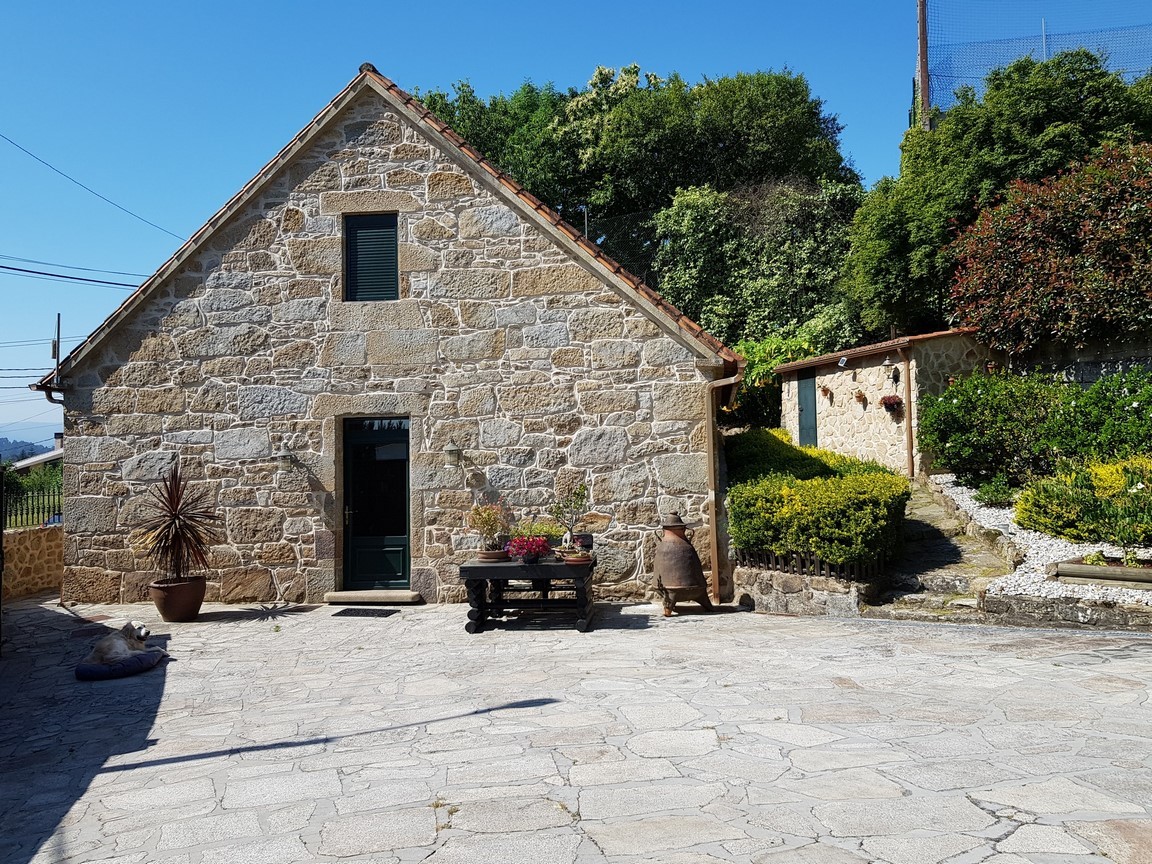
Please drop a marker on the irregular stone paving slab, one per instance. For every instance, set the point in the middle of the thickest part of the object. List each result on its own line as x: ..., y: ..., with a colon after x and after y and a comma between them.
x: 209, y: 829
x: 281, y: 850
x: 954, y: 774
x: 1125, y: 841
x: 834, y: 760
x: 897, y: 816
x: 605, y: 803
x: 281, y: 789
x: 1049, y: 839
x: 1058, y: 795
x: 274, y: 735
x: 520, y: 848
x: 660, y: 716
x: 919, y: 850
x: 643, y: 836
x: 516, y: 814
x: 792, y: 733
x: 816, y: 853
x: 667, y: 744
x: 626, y: 771
x: 849, y: 785
x: 378, y: 832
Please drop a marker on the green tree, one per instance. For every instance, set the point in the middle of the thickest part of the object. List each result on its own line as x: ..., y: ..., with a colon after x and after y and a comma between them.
x: 622, y: 146
x: 1034, y: 119
x: 1068, y: 259
x: 760, y: 261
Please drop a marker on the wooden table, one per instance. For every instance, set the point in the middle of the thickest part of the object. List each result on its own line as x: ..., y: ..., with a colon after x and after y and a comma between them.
x: 497, y: 587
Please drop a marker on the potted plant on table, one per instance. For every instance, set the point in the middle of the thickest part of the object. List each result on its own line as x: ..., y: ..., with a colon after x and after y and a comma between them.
x: 529, y: 549
x: 491, y: 522
x: 568, y: 510
x: 177, y: 537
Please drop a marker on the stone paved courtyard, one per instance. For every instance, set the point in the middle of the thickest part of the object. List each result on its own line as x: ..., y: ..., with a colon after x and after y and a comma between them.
x: 308, y: 735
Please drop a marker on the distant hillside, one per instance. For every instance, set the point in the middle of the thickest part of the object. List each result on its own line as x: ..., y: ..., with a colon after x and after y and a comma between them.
x: 14, y: 451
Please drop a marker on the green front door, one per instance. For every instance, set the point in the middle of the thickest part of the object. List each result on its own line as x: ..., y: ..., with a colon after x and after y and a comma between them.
x: 375, y: 503
x: 806, y: 404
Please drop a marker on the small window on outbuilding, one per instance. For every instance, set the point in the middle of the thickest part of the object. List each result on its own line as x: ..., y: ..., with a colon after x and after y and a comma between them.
x: 370, y: 261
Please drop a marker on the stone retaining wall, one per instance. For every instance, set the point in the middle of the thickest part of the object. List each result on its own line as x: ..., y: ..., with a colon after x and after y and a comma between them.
x: 798, y: 594
x: 33, y: 561
x: 545, y: 373
x: 1074, y: 612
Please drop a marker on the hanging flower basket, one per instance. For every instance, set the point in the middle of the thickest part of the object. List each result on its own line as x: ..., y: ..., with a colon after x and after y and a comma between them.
x: 892, y: 404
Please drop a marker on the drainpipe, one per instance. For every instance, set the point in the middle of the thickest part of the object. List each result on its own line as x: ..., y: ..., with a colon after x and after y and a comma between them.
x: 710, y: 439
x: 908, y: 443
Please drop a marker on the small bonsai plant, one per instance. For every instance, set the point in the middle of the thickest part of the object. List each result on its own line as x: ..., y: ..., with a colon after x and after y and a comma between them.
x: 490, y: 521
x: 569, y: 508
x: 177, y: 537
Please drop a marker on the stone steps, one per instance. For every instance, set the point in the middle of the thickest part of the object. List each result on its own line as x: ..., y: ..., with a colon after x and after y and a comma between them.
x: 394, y: 597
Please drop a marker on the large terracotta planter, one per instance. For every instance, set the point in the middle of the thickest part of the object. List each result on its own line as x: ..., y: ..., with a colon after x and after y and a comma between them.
x: 178, y: 601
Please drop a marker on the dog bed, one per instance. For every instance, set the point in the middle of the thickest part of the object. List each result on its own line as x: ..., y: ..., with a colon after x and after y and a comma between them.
x: 133, y: 665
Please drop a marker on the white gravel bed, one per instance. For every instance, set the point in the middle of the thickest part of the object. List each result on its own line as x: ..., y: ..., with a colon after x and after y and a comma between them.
x: 1039, y: 550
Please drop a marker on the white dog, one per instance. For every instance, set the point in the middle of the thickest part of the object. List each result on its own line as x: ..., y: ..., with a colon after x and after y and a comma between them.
x: 126, y: 642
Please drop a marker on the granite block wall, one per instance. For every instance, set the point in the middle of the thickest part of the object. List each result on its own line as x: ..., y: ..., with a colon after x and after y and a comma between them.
x: 541, y: 370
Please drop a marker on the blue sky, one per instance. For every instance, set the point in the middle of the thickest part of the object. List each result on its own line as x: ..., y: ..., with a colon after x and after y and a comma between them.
x: 169, y: 108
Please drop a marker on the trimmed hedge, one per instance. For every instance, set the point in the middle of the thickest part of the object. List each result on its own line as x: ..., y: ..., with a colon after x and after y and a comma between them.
x: 855, y: 519
x: 761, y: 452
x: 807, y: 501
x: 1102, y: 502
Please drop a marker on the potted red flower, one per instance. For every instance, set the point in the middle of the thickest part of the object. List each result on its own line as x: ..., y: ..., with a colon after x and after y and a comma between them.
x: 529, y: 549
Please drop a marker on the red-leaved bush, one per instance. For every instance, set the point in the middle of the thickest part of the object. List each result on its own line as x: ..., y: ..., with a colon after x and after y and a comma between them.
x: 1067, y: 260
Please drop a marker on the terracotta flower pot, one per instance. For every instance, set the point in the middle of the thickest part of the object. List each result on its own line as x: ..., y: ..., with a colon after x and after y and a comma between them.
x: 178, y: 601
x: 492, y: 555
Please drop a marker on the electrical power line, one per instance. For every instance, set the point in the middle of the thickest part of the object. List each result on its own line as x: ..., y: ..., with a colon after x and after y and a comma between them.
x: 87, y: 189
x: 27, y: 342
x: 72, y: 267
x: 20, y: 271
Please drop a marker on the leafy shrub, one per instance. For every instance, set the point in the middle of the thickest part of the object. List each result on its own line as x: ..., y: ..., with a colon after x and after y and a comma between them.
x: 1109, y: 502
x: 549, y: 528
x: 995, y: 493
x: 1065, y: 260
x: 758, y: 453
x: 993, y: 424
x: 1111, y: 419
x: 852, y: 519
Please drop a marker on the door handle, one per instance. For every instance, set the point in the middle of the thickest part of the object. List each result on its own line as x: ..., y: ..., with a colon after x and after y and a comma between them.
x: 347, y: 515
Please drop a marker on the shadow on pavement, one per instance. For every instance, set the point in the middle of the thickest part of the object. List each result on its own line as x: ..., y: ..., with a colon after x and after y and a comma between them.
x: 57, y: 733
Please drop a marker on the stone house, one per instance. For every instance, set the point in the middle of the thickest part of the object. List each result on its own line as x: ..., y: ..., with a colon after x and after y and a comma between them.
x: 835, y: 401
x: 378, y: 328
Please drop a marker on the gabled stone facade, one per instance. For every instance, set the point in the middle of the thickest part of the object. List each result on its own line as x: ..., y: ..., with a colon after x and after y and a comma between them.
x: 850, y: 417
x: 535, y: 360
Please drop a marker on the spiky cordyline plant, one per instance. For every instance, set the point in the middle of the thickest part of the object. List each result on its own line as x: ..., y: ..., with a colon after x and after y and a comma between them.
x: 179, y: 534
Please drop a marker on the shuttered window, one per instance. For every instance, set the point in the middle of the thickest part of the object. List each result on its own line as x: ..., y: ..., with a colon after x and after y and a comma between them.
x: 370, y: 269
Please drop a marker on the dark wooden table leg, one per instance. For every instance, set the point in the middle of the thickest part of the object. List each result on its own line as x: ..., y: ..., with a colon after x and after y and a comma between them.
x: 583, y: 587
x: 496, y: 599
x: 478, y: 603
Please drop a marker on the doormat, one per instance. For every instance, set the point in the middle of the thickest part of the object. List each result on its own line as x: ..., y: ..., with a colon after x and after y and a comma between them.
x: 361, y: 612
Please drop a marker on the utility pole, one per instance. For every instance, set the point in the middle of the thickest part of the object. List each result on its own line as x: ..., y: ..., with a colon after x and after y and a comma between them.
x: 922, y: 65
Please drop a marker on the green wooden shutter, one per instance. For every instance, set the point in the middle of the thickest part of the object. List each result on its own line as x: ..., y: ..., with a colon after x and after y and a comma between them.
x: 370, y: 266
